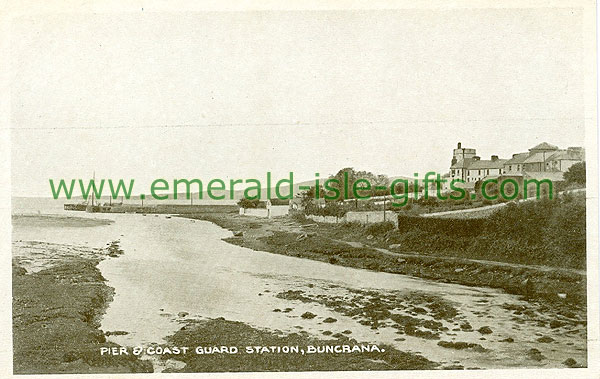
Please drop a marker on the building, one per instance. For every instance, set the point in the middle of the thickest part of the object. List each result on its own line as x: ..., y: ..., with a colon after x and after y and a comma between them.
x: 469, y: 167
x: 515, y: 164
x: 479, y: 168
x: 460, y: 162
x: 538, y: 157
x: 542, y: 158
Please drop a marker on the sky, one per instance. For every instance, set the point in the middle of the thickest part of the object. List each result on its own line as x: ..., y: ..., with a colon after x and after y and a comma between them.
x: 236, y: 94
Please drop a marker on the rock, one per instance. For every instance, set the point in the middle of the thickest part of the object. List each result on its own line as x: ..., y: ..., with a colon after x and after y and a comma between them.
x: 453, y: 367
x: 308, y: 315
x: 570, y: 362
x: 395, y: 246
x: 370, y: 237
x: 535, y: 354
x: 302, y: 237
x: 71, y: 356
x: 238, y: 234
x: 329, y: 320
x: 183, y: 314
x: 116, y: 333
x: 466, y: 326
x: 509, y: 339
x: 545, y: 339
x: 327, y: 333
x: 276, y: 310
x: 485, y: 330
x: 562, y: 295
x: 347, y: 331
x: 19, y: 271
x: 556, y: 324
x: 460, y: 269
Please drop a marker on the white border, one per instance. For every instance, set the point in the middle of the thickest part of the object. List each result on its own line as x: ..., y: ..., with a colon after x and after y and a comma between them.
x: 17, y: 8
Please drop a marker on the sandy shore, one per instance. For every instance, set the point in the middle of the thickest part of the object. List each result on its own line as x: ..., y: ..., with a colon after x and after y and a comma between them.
x: 336, y: 244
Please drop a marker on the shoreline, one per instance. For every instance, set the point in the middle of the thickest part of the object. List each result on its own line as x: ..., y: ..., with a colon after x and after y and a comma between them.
x: 57, y: 309
x: 559, y: 287
x: 267, y: 351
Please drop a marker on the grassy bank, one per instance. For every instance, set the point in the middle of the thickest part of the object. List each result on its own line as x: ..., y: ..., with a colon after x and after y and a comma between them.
x: 544, y: 232
x: 220, y: 332
x: 56, y: 319
x: 535, y: 249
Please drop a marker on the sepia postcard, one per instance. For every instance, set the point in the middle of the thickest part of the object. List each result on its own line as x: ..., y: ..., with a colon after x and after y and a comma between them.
x: 385, y: 189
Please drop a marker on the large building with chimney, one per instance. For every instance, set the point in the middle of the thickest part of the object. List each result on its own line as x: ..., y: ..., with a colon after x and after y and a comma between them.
x: 543, y: 158
x: 469, y: 167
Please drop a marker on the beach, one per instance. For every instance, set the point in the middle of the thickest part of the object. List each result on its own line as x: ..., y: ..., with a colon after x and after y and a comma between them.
x: 157, y: 282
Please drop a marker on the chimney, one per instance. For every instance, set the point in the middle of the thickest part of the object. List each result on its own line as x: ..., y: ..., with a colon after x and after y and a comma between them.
x: 494, y: 158
x: 459, y: 145
x: 476, y: 158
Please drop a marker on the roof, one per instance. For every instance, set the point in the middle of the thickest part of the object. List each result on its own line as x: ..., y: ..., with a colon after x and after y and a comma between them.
x: 567, y: 155
x: 555, y: 176
x: 538, y: 157
x: 512, y: 174
x: 544, y: 146
x: 462, y: 163
x: 484, y: 164
x: 517, y: 158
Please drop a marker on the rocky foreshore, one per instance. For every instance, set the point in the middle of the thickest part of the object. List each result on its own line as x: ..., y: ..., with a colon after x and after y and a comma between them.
x: 59, y: 297
x: 220, y: 345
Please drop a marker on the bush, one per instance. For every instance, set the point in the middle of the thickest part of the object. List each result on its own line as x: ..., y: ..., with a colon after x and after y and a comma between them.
x: 246, y: 203
x: 298, y: 216
x: 379, y: 228
x: 330, y: 209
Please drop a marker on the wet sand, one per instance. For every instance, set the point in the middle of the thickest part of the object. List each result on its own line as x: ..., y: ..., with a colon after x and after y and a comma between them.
x: 563, y: 288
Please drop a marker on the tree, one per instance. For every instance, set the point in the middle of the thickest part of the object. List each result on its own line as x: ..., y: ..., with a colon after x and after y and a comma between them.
x: 575, y: 173
x: 309, y: 196
x: 353, y: 175
x: 245, y: 203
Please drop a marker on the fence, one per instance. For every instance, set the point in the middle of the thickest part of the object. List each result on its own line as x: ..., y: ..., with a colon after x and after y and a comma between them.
x: 270, y: 211
x: 368, y: 217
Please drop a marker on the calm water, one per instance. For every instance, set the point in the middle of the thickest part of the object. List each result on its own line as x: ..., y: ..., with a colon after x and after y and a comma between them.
x: 174, y: 265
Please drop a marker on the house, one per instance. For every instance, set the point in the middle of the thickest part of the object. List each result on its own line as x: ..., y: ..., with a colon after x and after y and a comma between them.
x: 461, y: 159
x: 544, y: 157
x: 542, y: 162
x: 515, y: 164
x: 479, y: 169
x: 562, y: 160
x: 537, y: 160
x: 470, y: 168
